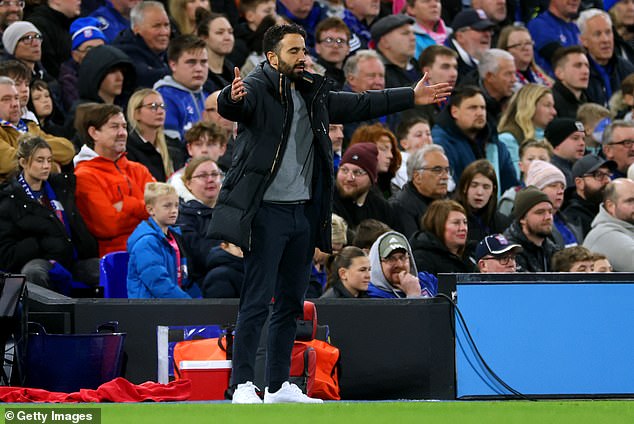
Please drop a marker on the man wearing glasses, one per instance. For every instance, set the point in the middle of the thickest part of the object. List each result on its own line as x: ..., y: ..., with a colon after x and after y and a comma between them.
x: 332, y: 46
x: 429, y: 173
x: 394, y: 274
x: 494, y: 254
x: 23, y: 41
x: 591, y: 175
x: 618, y: 145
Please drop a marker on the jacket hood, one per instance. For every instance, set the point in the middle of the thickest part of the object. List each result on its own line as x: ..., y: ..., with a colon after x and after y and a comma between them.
x: 606, y: 220
x: 168, y: 81
x: 96, y: 65
x: 376, y: 275
x: 85, y: 154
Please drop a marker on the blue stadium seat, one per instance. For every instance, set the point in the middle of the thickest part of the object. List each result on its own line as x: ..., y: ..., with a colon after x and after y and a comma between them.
x: 114, y: 274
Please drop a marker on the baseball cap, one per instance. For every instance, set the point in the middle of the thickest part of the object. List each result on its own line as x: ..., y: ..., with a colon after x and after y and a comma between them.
x: 389, y: 23
x: 392, y: 242
x: 590, y: 163
x: 495, y: 245
x: 472, y: 18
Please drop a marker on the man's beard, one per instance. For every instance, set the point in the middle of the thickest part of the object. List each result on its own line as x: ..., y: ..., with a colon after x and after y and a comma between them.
x: 593, y: 196
x: 289, y: 71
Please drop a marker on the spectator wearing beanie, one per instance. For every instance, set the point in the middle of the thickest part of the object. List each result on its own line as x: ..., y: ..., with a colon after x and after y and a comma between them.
x: 23, y: 41
x: 354, y: 196
x: 85, y: 35
x: 531, y: 228
x: 550, y: 180
x: 567, y: 136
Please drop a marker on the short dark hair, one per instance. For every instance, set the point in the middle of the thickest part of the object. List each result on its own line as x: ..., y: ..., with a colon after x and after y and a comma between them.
x: 93, y: 115
x: 460, y: 94
x: 203, y: 18
x: 562, y: 53
x: 429, y: 55
x: 273, y: 36
x: 406, y: 124
x: 368, y: 231
x: 182, y: 44
x: 15, y: 70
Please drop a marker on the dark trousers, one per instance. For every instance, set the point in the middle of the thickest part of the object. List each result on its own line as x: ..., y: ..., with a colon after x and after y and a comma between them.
x: 277, y: 266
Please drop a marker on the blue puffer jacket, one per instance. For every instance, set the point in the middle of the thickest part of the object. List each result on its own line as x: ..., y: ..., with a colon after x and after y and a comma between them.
x: 461, y: 151
x: 152, y: 271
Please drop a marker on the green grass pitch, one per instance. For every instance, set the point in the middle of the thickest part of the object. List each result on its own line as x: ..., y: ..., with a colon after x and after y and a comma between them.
x: 542, y: 412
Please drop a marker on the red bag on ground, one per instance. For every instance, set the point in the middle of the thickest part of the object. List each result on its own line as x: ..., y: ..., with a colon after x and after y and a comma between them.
x: 315, y: 369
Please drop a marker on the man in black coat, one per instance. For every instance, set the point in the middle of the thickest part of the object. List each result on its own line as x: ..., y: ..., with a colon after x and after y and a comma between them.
x: 591, y: 175
x: 572, y: 70
x: 428, y: 181
x: 276, y: 198
x: 531, y: 229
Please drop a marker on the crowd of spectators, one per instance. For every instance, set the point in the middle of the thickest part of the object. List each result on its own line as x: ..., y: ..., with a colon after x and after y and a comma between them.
x: 109, y: 112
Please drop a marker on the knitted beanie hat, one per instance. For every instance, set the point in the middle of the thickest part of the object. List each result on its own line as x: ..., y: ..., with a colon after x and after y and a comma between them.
x: 85, y: 29
x: 540, y: 174
x: 364, y: 155
x: 526, y: 199
x: 14, y: 32
x: 560, y: 129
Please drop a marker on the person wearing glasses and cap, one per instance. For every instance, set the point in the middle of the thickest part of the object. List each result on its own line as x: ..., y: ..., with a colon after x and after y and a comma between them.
x: 495, y: 254
x: 591, y: 175
x: 394, y: 273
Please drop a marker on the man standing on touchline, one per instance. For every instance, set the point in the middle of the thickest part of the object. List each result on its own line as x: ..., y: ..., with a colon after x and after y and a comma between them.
x: 276, y: 199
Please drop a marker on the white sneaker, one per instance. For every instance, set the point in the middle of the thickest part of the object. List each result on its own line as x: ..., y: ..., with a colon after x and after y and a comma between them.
x: 288, y: 393
x: 246, y: 393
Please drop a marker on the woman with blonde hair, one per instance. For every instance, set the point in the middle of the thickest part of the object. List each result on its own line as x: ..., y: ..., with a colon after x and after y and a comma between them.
x: 516, y: 40
x: 527, y: 114
x: 146, y: 139
x: 184, y: 13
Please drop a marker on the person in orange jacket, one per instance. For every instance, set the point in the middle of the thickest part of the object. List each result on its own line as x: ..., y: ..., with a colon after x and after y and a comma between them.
x: 110, y: 188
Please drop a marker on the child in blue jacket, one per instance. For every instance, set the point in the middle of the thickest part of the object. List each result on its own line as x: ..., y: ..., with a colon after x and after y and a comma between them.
x: 158, y: 265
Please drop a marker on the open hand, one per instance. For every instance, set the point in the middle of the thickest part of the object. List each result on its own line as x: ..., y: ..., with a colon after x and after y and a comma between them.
x: 237, y: 86
x: 427, y: 94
